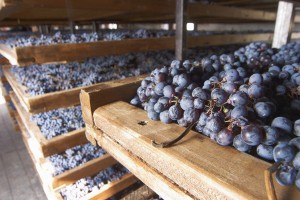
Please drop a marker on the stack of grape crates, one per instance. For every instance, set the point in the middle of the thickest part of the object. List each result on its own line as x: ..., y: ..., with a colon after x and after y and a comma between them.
x: 54, y: 134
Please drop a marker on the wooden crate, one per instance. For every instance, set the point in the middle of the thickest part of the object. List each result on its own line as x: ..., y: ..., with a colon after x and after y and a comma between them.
x: 195, y: 168
x: 48, y: 147
x: 23, y: 56
x: 106, y: 191
x: 46, y: 102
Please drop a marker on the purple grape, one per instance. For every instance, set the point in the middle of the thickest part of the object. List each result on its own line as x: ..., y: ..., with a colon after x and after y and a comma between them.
x: 175, y: 112
x: 286, y: 175
x: 225, y: 137
x: 284, y: 152
x: 265, y: 151
x: 252, y: 134
x: 164, y: 117
x: 239, y: 144
x: 283, y: 123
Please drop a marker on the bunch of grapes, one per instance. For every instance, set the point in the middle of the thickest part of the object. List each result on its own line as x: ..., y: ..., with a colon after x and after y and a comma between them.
x: 65, y: 38
x: 244, y: 99
x: 89, y: 184
x: 74, y: 157
x: 46, y: 78
x: 59, y: 121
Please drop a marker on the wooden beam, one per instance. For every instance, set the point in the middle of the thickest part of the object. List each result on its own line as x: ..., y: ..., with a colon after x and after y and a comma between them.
x: 201, y: 167
x: 181, y: 32
x: 284, y: 24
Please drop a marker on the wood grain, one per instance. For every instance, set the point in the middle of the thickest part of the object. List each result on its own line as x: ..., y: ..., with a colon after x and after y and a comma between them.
x: 203, y: 168
x: 105, y: 93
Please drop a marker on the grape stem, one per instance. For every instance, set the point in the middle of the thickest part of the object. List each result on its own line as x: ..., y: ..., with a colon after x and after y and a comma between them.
x: 172, y: 142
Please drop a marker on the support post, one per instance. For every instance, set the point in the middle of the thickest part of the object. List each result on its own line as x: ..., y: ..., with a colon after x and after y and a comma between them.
x: 95, y: 26
x: 181, y: 18
x: 72, y: 27
x: 284, y: 24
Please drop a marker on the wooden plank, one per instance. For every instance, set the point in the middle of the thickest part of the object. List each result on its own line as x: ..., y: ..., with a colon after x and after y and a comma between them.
x: 106, y: 93
x: 87, y: 169
x: 147, y: 174
x: 203, y: 168
x: 213, y: 40
x: 284, y: 24
x: 112, y: 188
x: 73, y: 52
x: 181, y: 32
x: 55, y: 145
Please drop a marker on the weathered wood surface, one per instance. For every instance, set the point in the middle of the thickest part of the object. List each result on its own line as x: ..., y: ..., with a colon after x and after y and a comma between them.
x: 284, y: 24
x: 199, y: 166
x: 120, y: 11
x: 147, y: 174
x: 23, y: 56
x: 105, y: 93
x: 55, y: 145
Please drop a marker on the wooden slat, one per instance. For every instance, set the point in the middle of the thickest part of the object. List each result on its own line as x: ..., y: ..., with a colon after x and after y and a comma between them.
x: 147, y: 174
x: 201, y: 167
x: 214, y: 40
x: 107, y: 93
x: 89, y: 168
x: 113, y: 188
x: 55, y: 145
x: 72, y: 52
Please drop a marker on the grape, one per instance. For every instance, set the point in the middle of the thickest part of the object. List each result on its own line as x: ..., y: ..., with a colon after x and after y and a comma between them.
x: 159, y: 88
x: 283, y: 123
x: 265, y: 151
x: 297, y: 127
x: 183, y: 80
x: 284, y: 152
x: 256, y: 79
x: 225, y: 137
x: 200, y: 93
x: 168, y: 91
x: 164, y: 117
x: 239, y: 98
x: 272, y: 135
x: 263, y: 109
x: 296, y: 161
x: 252, y: 134
x: 186, y: 103
x: 214, y: 124
x: 199, y: 103
x: 191, y: 115
x: 175, y: 112
x: 238, y: 112
x: 255, y: 91
x: 153, y: 115
x: 182, y: 122
x: 239, y: 144
x: 286, y: 175
x: 295, y: 142
x: 232, y: 75
x: 219, y: 95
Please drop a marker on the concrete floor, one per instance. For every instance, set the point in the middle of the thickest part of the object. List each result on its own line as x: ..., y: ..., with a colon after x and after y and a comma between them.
x: 18, y: 178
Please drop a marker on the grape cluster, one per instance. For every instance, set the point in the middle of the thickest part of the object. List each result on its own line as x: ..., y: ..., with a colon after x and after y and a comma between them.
x: 46, y: 78
x: 74, y: 157
x: 59, y: 121
x: 244, y: 99
x: 60, y: 38
x: 89, y: 184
